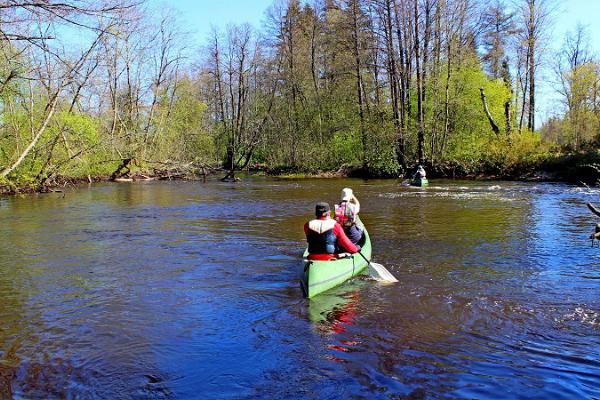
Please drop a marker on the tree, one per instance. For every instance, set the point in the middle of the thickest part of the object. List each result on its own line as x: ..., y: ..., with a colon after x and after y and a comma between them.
x: 498, y: 27
x: 53, y: 79
x: 579, y: 82
x: 535, y: 22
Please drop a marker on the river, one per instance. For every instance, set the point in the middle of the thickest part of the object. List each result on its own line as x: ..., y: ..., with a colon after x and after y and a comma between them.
x: 182, y: 290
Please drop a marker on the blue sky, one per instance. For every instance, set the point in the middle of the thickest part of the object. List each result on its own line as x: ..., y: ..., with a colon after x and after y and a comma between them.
x: 566, y: 17
x: 199, y: 15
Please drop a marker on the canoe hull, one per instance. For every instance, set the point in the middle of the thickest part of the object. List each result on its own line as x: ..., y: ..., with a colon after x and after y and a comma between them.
x: 419, y: 182
x: 319, y: 276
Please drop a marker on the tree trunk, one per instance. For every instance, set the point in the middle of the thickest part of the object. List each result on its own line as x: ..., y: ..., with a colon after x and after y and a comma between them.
x: 437, y: 50
x: 421, y: 117
x: 394, y: 83
x: 402, y: 86
x: 487, y: 113
x: 359, y: 83
x: 50, y: 108
x: 531, y: 65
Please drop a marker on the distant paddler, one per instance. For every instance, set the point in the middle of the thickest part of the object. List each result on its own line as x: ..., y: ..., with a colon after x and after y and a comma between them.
x: 420, y: 173
x: 419, y: 178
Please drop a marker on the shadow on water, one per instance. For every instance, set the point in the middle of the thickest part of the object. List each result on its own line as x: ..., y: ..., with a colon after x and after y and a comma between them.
x: 182, y: 289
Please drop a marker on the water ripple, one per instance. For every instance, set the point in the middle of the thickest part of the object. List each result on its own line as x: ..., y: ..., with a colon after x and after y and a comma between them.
x: 171, y: 290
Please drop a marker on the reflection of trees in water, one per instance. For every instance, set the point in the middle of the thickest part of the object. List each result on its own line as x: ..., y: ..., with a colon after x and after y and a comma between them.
x: 17, y: 287
x: 7, y: 374
x: 28, y: 365
x: 56, y: 273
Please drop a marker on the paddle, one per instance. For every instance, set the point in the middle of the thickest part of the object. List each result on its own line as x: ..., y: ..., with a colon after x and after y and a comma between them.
x: 378, y: 271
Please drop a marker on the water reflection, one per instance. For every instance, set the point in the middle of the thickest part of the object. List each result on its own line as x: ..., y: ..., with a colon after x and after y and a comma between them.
x: 333, y: 313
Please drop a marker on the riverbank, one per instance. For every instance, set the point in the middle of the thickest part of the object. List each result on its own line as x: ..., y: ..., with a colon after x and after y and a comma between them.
x: 576, y: 168
x: 62, y: 182
x: 127, y: 170
x: 58, y: 183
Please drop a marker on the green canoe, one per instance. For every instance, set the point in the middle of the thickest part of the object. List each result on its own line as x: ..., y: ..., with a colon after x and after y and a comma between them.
x: 419, y: 182
x: 319, y: 276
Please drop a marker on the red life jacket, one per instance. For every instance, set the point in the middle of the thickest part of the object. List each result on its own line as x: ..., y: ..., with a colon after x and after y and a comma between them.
x: 344, y: 214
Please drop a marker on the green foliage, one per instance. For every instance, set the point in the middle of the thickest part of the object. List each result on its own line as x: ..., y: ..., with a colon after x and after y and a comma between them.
x: 291, y: 101
x: 80, y: 126
x: 182, y: 136
x: 7, y: 186
x: 471, y: 129
x: 515, y: 155
x: 582, y: 118
x: 344, y: 149
x: 575, y: 167
x: 380, y: 154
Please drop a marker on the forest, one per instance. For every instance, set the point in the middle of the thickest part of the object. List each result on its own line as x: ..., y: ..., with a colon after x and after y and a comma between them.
x: 116, y: 90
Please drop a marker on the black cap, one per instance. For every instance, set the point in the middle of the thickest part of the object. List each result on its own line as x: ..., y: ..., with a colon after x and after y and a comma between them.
x: 321, y: 208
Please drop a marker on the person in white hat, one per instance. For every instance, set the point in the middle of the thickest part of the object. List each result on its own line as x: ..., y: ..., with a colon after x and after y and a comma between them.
x: 346, y: 213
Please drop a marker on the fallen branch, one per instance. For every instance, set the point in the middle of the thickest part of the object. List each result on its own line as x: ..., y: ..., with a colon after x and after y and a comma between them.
x: 593, y: 209
x: 122, y: 170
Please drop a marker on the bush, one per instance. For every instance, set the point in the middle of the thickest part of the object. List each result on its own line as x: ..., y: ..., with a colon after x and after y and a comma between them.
x: 516, y: 155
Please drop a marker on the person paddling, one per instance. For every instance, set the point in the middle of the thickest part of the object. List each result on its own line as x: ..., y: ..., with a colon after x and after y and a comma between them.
x: 346, y: 213
x: 420, y: 173
x: 325, y: 236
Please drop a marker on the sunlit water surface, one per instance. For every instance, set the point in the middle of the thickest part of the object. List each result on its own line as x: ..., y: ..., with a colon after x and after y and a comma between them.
x: 188, y: 290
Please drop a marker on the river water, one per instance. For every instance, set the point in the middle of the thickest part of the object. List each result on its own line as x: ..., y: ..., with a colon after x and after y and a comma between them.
x: 188, y: 290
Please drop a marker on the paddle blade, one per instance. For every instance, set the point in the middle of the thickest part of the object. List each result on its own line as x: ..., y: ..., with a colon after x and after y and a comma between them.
x: 380, y: 273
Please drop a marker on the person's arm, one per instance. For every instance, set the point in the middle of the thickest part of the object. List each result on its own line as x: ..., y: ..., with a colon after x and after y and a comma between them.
x: 343, y: 240
x: 356, y: 204
x: 306, y: 228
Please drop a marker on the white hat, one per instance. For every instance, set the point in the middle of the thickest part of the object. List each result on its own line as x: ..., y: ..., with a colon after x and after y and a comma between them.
x: 346, y: 194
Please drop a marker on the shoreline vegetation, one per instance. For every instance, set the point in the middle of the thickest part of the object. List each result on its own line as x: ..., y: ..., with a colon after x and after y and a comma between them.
x: 582, y: 169
x: 359, y: 88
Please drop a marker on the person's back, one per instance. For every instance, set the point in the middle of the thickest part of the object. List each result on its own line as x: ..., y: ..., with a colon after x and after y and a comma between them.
x: 346, y: 214
x: 420, y: 174
x: 325, y: 236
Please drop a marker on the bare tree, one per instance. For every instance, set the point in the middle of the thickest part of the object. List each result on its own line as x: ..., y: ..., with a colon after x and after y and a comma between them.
x: 535, y: 20
x: 578, y: 81
x: 53, y: 98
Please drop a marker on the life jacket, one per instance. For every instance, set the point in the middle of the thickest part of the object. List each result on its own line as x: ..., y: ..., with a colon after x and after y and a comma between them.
x: 321, y: 238
x: 344, y: 214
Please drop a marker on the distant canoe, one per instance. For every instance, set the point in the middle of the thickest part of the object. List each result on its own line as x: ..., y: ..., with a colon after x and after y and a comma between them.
x: 419, y: 182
